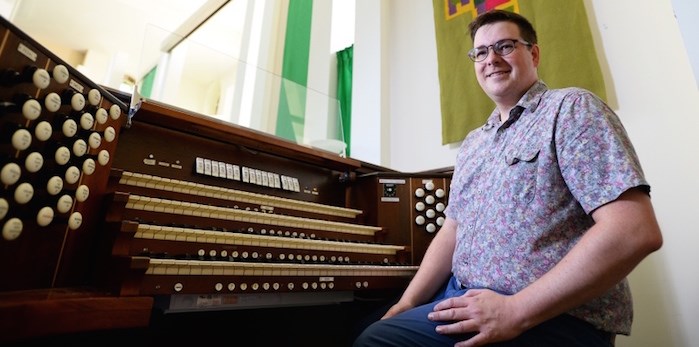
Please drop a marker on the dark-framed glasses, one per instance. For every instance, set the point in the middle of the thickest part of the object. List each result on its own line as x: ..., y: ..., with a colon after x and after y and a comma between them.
x: 501, y: 48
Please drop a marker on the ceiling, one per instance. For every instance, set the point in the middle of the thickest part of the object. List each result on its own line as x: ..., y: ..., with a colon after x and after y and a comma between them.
x: 125, y: 28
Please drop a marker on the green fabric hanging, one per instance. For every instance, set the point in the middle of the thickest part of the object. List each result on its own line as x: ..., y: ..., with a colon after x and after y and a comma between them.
x: 292, y: 96
x: 344, y: 93
x: 568, y: 56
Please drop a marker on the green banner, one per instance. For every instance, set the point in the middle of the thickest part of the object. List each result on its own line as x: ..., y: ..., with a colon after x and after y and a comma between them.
x: 568, y: 56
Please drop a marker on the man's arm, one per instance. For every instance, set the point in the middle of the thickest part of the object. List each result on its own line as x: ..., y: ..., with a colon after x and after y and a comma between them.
x: 624, y: 233
x: 434, y: 270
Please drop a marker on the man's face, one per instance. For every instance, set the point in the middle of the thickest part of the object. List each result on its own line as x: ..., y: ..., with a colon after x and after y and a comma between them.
x: 505, y: 78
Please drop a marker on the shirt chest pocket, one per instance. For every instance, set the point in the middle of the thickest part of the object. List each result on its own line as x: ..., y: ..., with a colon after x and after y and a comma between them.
x: 521, y: 171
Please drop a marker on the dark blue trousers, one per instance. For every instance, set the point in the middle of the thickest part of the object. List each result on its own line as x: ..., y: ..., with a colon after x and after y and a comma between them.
x: 412, y: 328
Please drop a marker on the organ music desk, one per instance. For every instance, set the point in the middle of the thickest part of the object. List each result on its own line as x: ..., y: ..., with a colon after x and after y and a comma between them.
x: 109, y: 216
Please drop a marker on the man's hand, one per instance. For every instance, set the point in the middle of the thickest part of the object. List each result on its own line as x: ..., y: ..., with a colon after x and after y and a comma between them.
x: 399, y: 307
x: 491, y: 316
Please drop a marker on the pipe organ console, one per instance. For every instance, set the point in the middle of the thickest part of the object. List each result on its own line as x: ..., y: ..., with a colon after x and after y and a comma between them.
x: 107, y: 213
x: 199, y: 206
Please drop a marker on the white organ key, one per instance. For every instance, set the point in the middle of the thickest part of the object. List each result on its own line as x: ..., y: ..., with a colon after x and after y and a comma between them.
x: 114, y: 112
x: 82, y: 193
x: 69, y: 128
x: 34, y: 162
x: 62, y: 155
x: 94, y: 140
x: 109, y: 134
x: 75, y: 220
x: 4, y: 207
x: 64, y: 204
x: 10, y: 173
x: 41, y: 78
x: 72, y: 175
x: 43, y: 131
x: 21, y: 139
x: 12, y: 229
x: 101, y: 116
x: 24, y: 193
x: 94, y: 97
x: 79, y: 147
x: 31, y: 109
x: 77, y: 101
x: 87, y: 121
x: 45, y: 216
x: 89, y: 166
x: 60, y: 74
x: 52, y: 102
x: 103, y: 157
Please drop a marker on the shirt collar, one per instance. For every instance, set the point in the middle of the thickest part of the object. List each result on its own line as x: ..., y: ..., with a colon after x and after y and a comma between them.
x: 529, y: 101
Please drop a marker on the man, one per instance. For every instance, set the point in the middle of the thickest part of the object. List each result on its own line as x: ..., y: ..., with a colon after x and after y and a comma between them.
x: 549, y: 211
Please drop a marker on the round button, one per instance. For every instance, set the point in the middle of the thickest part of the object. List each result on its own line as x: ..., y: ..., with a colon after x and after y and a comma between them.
x: 31, y: 109
x: 440, y: 207
x: 64, y: 204
x: 87, y: 121
x: 101, y: 116
x: 89, y: 166
x: 420, y: 220
x: 54, y: 185
x: 34, y: 162
x: 95, y: 140
x: 72, y: 175
x: 429, y: 199
x: 440, y: 193
x: 178, y: 287
x: 79, y: 147
x: 4, y: 207
x: 75, y: 220
x: 10, y: 173
x: 24, y: 193
x: 103, y: 157
x: 69, y: 128
x: 60, y: 74
x: 440, y: 221
x: 21, y: 139
x: 419, y: 192
x: 429, y: 186
x: 41, y: 78
x: 231, y: 287
x: 52, y: 102
x: 431, y: 228
x: 62, y: 155
x: 77, y: 101
x: 94, y: 97
x: 420, y: 206
x: 218, y: 287
x: 114, y: 112
x: 83, y: 192
x: 12, y: 229
x: 43, y: 131
x: 109, y: 134
x: 430, y: 213
x: 44, y: 217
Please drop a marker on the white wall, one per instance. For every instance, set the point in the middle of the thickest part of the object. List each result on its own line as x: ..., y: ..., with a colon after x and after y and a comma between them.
x: 655, y: 94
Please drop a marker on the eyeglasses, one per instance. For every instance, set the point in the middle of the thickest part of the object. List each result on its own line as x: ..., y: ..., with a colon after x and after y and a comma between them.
x: 501, y: 48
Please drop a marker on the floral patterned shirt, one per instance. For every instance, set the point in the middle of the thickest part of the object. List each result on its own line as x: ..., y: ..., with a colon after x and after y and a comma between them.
x: 523, y: 191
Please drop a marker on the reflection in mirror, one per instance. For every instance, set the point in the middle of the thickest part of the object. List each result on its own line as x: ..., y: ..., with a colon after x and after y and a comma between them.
x: 203, y: 72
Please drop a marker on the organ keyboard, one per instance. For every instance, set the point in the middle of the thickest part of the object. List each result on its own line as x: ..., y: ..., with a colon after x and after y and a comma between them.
x: 184, y: 229
x: 107, y: 216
